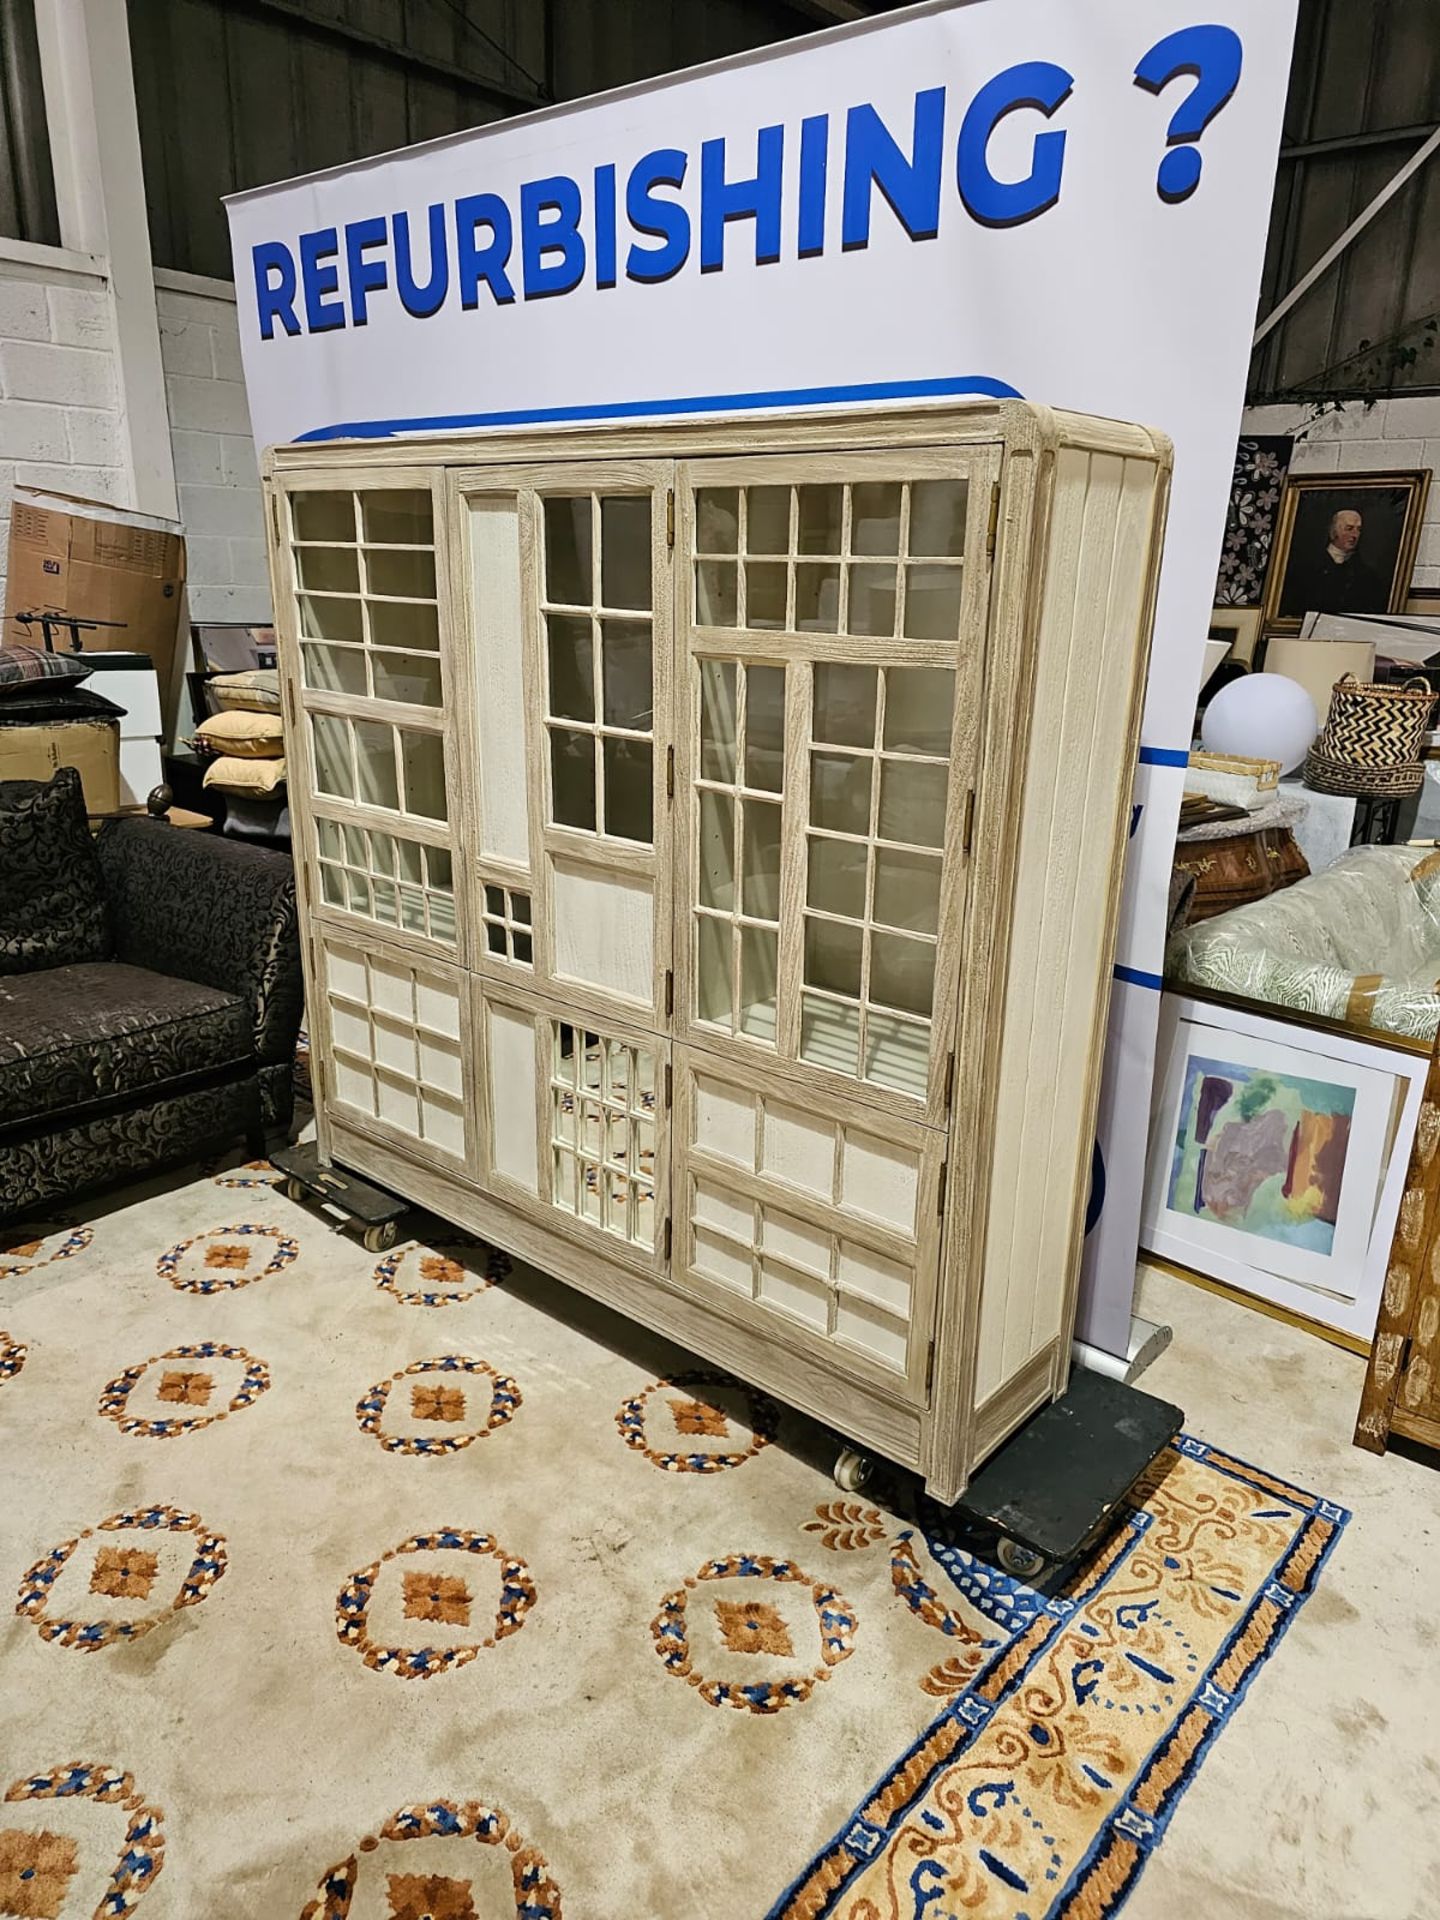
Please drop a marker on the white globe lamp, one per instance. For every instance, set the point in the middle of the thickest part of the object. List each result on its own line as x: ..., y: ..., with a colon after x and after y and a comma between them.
x: 1261, y: 716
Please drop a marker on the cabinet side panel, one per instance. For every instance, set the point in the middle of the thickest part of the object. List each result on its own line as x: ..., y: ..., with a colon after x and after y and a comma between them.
x: 495, y: 592
x: 1093, y: 644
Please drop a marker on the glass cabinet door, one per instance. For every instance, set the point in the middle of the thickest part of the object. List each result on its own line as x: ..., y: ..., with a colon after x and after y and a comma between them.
x: 832, y: 616
x: 569, y: 608
x: 370, y: 755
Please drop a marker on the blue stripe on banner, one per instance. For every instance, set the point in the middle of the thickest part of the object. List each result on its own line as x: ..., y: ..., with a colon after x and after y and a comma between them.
x: 1133, y: 977
x: 1164, y: 756
x: 979, y: 384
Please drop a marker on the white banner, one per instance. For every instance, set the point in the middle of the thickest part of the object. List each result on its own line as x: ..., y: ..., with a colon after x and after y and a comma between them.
x: 1038, y: 197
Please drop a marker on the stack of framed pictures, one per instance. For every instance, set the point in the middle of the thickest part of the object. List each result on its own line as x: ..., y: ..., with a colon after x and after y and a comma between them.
x: 1277, y: 1159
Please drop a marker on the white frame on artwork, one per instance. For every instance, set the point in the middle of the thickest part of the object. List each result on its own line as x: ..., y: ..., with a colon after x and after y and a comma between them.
x: 1340, y: 1290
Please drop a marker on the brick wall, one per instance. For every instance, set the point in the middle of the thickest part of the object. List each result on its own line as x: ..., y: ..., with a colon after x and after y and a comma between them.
x: 215, y: 468
x: 1391, y: 434
x: 59, y: 408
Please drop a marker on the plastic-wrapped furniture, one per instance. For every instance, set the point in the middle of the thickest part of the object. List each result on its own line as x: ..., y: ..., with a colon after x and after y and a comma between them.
x: 150, y: 996
x: 1359, y: 942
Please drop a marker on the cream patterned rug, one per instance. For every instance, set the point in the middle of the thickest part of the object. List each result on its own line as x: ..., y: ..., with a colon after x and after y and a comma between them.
x: 384, y: 1589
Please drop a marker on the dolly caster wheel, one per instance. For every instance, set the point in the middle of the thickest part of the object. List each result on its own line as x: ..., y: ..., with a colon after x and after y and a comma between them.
x: 380, y: 1239
x: 1024, y: 1563
x: 294, y: 1191
x: 852, y: 1470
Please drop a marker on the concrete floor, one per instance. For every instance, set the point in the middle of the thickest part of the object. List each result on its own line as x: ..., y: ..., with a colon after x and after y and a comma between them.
x: 1322, y: 1798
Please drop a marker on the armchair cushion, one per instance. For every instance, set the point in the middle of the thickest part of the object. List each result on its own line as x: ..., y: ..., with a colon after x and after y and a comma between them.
x: 52, y: 893
x: 78, y: 1035
x: 212, y: 911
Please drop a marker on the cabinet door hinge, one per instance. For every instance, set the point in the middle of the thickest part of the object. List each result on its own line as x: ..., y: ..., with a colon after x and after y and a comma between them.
x: 669, y: 993
x: 670, y: 517
x: 669, y: 1085
x: 930, y: 1371
x: 668, y: 1235
x: 950, y: 1079
x: 967, y: 831
x: 992, y: 531
x: 670, y: 773
x: 940, y: 1187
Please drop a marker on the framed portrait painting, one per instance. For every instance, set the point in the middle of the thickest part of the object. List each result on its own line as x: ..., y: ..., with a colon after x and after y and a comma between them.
x: 1277, y: 1158
x: 1345, y: 543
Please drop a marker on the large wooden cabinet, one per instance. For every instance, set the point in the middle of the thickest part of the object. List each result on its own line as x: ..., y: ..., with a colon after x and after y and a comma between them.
x: 709, y: 839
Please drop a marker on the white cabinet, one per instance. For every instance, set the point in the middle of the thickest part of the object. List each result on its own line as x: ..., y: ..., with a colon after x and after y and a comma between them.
x: 710, y: 838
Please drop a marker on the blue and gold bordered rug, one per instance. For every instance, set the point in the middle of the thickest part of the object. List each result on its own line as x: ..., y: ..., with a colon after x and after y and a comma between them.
x: 376, y: 1589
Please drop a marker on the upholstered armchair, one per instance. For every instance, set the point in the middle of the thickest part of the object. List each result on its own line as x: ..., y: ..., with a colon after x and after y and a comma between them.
x: 150, y: 996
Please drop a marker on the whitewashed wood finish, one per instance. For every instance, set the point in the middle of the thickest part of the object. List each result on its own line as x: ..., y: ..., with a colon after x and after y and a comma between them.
x: 527, y: 485
x: 1078, y: 775
x: 511, y: 1086
x: 843, y: 1261
x: 801, y: 652
x: 305, y: 803
x: 397, y: 1041
x: 936, y: 1221
x: 604, y: 931
x: 873, y: 1418
x: 496, y: 612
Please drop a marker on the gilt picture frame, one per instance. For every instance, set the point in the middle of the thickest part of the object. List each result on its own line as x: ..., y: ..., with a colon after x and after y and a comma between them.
x: 1345, y: 543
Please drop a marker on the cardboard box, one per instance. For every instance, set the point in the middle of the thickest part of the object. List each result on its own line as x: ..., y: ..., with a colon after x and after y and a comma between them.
x: 85, y: 560
x: 92, y: 747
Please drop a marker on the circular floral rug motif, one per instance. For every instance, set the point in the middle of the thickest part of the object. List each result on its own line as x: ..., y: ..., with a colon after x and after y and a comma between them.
x: 454, y: 1581
x: 46, y: 1870
x: 451, y: 1401
x: 470, y: 1887
x: 223, y: 1258
x: 166, y: 1549
x: 698, y: 1422
x: 753, y: 1632
x: 442, y: 1274
x: 23, y: 1249
x: 184, y: 1396
x: 12, y: 1356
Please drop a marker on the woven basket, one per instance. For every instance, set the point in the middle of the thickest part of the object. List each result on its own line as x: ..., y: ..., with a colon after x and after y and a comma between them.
x: 1362, y: 783
x: 1232, y: 777
x: 1374, y: 728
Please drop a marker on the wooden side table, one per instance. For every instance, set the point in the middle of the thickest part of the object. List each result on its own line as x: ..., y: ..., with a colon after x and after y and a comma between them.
x: 1232, y: 868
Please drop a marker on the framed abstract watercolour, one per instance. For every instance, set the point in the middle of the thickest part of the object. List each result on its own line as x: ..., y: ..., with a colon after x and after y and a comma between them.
x: 1277, y: 1157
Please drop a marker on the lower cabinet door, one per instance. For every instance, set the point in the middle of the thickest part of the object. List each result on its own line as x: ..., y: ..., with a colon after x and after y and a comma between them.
x: 574, y: 1122
x: 808, y: 1219
x: 396, y: 1060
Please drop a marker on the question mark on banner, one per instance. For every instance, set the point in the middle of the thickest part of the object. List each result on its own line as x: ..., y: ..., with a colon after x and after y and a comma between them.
x: 1215, y: 56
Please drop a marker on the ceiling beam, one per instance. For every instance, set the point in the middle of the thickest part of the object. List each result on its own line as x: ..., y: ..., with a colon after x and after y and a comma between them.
x: 399, y: 54
x: 1353, y: 142
x: 833, y: 13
